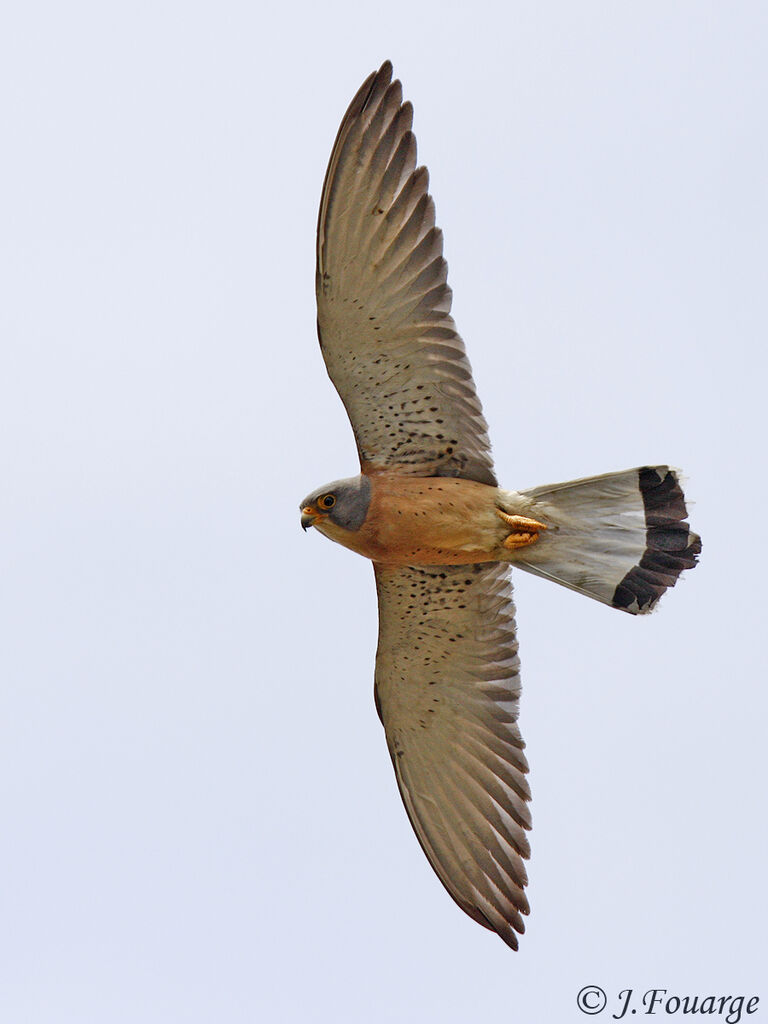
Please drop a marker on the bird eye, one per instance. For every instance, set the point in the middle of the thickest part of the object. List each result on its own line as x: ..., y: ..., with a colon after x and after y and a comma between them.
x: 328, y: 501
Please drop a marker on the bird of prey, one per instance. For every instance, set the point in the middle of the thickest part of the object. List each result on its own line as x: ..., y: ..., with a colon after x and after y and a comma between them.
x: 426, y: 508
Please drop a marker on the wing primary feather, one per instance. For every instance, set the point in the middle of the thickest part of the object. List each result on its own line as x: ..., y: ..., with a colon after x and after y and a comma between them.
x: 474, y: 870
x: 487, y: 882
x: 508, y: 877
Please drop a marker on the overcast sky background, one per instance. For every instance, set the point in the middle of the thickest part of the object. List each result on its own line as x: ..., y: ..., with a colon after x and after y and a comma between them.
x: 199, y: 817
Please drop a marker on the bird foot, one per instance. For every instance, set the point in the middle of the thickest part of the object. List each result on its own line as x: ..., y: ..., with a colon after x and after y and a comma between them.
x: 525, y: 531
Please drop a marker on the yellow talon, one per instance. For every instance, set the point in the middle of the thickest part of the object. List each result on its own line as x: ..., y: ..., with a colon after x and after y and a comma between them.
x: 525, y: 531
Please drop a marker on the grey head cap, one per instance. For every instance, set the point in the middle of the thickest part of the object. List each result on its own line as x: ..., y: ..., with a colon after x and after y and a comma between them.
x: 351, y: 500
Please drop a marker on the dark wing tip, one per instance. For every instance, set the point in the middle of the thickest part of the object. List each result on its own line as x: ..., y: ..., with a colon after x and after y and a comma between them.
x: 374, y: 84
x: 369, y: 93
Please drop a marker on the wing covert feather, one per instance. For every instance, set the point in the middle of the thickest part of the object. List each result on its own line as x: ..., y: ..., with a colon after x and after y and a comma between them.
x: 447, y: 690
x: 383, y: 302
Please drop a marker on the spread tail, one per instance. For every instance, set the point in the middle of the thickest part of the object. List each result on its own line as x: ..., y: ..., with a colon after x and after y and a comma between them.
x: 621, y: 538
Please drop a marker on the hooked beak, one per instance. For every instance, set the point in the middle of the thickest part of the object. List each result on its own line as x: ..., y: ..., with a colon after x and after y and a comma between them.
x: 308, y: 518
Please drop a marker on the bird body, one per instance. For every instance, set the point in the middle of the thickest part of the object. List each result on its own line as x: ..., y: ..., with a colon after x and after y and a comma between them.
x: 427, y: 510
x: 620, y: 538
x: 425, y: 521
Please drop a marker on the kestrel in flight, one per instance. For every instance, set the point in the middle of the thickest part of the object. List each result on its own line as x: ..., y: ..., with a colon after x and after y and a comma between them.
x: 428, y: 511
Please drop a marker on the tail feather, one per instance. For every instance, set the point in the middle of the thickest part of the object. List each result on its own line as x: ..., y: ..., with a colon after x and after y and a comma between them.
x: 620, y: 538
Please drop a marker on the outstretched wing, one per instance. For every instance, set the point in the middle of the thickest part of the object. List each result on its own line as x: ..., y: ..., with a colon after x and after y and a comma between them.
x: 389, y: 343
x: 447, y: 690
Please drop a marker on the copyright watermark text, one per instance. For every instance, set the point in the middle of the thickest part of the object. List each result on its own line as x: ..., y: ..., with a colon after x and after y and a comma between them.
x: 730, y: 1009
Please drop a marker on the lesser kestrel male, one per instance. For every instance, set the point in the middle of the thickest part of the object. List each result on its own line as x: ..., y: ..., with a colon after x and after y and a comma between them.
x: 428, y: 511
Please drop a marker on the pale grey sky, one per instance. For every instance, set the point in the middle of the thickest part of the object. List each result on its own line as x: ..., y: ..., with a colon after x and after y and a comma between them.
x: 200, y: 821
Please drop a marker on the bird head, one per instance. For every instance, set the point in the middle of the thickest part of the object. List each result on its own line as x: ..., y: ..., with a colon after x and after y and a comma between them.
x: 343, y: 503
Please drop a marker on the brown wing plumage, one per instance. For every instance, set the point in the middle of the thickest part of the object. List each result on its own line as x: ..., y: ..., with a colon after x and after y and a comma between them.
x: 389, y: 343
x: 447, y: 689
